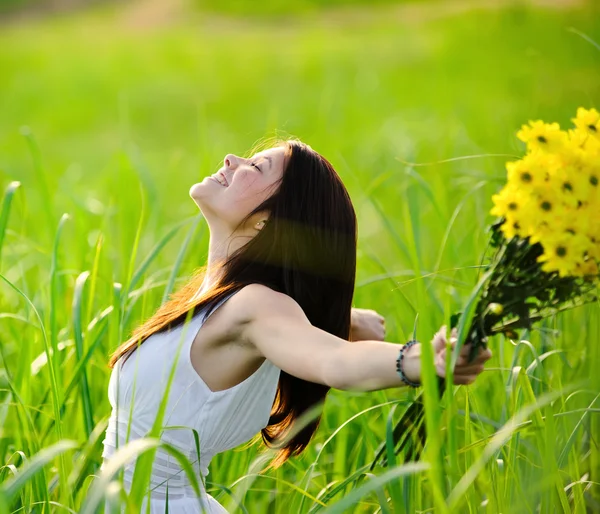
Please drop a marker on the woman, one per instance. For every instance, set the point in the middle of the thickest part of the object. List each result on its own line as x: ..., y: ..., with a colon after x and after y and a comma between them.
x: 270, y: 322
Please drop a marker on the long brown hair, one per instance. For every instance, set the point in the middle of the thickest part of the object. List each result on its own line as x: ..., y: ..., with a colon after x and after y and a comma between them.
x: 306, y: 250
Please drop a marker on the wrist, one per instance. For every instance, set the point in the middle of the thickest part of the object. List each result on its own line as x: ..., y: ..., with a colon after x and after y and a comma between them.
x: 410, y: 364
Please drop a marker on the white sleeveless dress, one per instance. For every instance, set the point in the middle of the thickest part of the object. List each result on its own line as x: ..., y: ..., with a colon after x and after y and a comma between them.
x: 223, y: 419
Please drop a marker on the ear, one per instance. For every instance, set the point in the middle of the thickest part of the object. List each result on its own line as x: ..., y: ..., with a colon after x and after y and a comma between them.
x: 260, y: 220
x: 260, y: 224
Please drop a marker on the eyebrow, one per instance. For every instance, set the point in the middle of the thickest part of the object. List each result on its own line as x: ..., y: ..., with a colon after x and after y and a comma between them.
x: 268, y: 159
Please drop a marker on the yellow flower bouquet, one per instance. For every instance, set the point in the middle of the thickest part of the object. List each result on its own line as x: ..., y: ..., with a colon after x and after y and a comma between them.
x: 552, y: 195
x: 547, y: 236
x: 546, y: 244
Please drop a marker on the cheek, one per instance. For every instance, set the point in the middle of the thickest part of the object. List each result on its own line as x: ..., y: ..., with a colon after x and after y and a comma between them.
x: 247, y: 191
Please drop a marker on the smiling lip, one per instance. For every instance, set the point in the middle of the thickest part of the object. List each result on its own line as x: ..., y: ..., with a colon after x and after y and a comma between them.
x: 213, y: 178
x: 225, y: 179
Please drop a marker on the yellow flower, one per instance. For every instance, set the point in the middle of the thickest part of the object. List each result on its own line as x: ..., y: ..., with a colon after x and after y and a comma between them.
x: 550, y: 205
x: 582, y: 141
x: 591, y: 172
x: 588, y: 121
x: 580, y: 153
x: 542, y: 136
x: 568, y: 186
x: 562, y: 253
x: 512, y: 228
x: 529, y: 172
x: 515, y: 206
x: 546, y: 216
x: 508, y: 202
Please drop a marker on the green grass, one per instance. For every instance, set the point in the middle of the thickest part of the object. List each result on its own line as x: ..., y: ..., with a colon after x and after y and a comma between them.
x: 112, y: 122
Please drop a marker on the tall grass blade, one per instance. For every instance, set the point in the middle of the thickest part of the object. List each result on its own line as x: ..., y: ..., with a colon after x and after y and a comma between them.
x: 456, y: 497
x: 51, y: 371
x: 411, y: 426
x: 143, y: 469
x: 84, y: 464
x: 584, y: 36
x: 394, y: 486
x: 79, y: 368
x: 134, y: 450
x: 179, y: 259
x: 151, y: 256
x: 131, y: 278
x: 337, y: 488
x: 566, y: 449
x: 40, y: 177
x: 431, y: 404
x: 12, y: 487
x: 355, y: 496
x: 54, y: 306
x: 450, y: 225
x: 86, y: 401
x: 9, y: 193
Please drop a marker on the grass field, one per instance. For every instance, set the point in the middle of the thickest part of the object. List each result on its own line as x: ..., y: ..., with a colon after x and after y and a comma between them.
x: 110, y: 117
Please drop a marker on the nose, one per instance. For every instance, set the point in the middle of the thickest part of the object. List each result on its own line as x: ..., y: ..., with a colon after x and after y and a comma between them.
x: 230, y: 161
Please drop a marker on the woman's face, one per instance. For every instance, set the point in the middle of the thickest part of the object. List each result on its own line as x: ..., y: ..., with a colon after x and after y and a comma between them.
x: 240, y: 186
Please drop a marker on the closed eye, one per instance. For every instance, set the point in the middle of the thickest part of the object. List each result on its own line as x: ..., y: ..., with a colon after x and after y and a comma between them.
x: 255, y: 166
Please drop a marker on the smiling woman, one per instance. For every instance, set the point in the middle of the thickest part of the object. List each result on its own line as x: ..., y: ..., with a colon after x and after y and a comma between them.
x: 261, y: 335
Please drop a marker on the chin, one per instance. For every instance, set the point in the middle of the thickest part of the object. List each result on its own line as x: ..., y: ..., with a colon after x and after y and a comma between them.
x: 198, y: 190
x: 198, y: 194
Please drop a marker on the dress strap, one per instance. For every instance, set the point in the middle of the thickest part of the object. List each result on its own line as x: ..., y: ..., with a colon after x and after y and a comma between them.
x: 207, y: 313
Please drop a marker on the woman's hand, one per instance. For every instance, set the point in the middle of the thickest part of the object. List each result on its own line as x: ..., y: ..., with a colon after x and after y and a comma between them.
x: 465, y: 372
x: 366, y: 325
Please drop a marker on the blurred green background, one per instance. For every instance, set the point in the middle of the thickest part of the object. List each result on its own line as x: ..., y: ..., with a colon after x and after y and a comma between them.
x: 111, y: 111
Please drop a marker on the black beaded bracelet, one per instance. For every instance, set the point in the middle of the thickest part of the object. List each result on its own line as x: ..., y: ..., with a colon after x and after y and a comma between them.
x: 399, y: 360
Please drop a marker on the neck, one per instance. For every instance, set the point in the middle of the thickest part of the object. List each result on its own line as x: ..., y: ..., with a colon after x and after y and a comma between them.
x: 221, y: 246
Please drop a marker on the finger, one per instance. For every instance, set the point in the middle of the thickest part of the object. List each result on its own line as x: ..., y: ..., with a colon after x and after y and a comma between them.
x: 465, y: 351
x: 463, y: 365
x: 440, y: 357
x: 464, y: 360
x: 439, y: 339
x: 474, y: 369
x: 464, y: 379
x: 440, y: 368
x: 482, y: 355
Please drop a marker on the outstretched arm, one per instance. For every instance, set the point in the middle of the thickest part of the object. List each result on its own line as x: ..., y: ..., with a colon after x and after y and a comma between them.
x: 279, y: 330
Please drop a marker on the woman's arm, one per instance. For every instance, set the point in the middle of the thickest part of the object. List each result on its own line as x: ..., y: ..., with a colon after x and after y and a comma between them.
x: 280, y: 331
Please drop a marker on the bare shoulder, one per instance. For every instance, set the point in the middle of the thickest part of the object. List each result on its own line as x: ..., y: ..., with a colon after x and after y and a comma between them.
x: 256, y: 301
